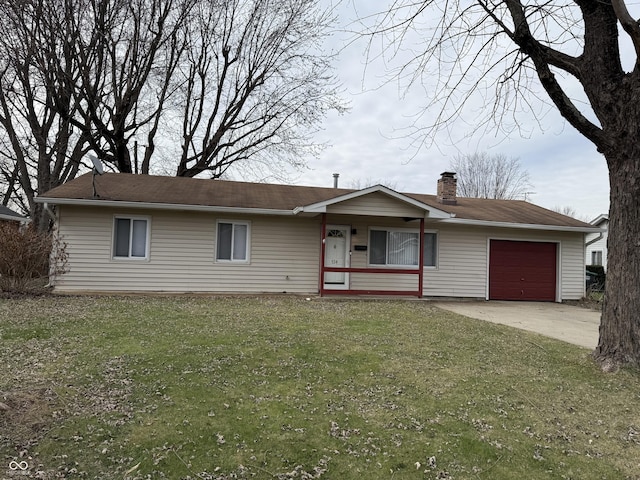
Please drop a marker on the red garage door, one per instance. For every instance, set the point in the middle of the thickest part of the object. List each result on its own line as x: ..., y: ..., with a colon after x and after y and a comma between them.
x: 522, y: 271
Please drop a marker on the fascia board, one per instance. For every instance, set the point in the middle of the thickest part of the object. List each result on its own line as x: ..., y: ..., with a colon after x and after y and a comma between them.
x: 524, y: 226
x: 161, y: 206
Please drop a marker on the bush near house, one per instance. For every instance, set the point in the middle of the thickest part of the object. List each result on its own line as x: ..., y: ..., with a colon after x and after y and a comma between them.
x: 28, y: 258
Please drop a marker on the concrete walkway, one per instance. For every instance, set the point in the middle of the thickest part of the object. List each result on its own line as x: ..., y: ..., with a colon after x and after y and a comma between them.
x: 571, y: 324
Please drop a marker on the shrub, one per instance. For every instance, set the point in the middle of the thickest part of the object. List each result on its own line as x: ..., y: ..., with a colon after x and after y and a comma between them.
x: 29, y: 257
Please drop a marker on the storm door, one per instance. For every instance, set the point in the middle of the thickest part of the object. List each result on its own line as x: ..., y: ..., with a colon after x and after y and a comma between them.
x: 337, y: 244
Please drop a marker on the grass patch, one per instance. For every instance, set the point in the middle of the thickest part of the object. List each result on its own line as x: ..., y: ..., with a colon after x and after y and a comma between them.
x: 220, y: 388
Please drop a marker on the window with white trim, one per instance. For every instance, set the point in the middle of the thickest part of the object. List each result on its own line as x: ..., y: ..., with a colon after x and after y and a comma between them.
x: 430, y: 249
x: 401, y: 248
x: 131, y: 237
x: 596, y: 257
x: 232, y: 241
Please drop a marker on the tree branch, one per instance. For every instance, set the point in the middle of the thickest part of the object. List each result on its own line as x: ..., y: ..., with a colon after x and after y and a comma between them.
x: 539, y: 54
x: 629, y: 25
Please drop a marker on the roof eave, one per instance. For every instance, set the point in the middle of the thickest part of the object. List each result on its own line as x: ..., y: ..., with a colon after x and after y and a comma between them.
x: 527, y: 226
x: 161, y: 206
x: 604, y: 217
x: 14, y: 218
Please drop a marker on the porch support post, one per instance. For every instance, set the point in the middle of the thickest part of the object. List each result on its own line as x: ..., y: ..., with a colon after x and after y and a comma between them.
x: 322, y: 252
x: 421, y: 261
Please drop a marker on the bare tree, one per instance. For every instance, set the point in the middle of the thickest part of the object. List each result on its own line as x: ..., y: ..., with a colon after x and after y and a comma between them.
x: 256, y: 86
x: 481, y: 175
x: 361, y: 183
x: 530, y: 52
x: 569, y: 211
x: 78, y: 75
x: 39, y: 148
x: 239, y: 82
x: 126, y: 55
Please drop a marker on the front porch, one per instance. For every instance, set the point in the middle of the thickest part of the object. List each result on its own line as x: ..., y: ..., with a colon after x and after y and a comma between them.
x: 342, y: 274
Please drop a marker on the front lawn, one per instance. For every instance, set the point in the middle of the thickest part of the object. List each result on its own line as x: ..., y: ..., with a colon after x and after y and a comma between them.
x: 284, y: 387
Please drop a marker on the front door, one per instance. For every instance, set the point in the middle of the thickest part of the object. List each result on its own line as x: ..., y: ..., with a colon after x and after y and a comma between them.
x: 336, y: 254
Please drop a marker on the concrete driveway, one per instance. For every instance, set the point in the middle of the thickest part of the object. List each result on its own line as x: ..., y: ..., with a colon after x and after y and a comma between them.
x: 571, y: 324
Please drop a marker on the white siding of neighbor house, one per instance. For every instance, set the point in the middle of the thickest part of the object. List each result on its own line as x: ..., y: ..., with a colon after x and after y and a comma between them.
x: 375, y: 204
x: 600, y: 245
x: 284, y: 254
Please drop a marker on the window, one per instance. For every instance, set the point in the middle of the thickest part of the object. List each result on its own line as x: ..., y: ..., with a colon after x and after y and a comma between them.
x: 430, y: 249
x: 233, y: 242
x: 401, y: 248
x: 596, y: 257
x: 130, y: 238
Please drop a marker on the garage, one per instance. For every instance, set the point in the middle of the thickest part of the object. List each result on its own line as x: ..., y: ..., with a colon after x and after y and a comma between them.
x: 522, y: 270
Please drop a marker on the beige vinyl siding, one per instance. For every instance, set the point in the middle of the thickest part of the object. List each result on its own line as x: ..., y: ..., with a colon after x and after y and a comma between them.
x: 463, y: 260
x: 461, y: 269
x: 375, y: 204
x: 573, y: 271
x: 284, y: 254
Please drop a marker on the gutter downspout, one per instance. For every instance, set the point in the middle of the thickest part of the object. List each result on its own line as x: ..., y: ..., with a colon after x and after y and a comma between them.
x: 599, y: 237
x: 51, y: 213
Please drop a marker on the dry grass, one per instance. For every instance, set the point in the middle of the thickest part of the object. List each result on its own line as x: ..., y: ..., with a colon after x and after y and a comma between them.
x: 287, y: 388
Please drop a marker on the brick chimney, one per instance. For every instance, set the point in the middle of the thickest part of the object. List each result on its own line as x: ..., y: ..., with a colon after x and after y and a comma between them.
x: 447, y: 188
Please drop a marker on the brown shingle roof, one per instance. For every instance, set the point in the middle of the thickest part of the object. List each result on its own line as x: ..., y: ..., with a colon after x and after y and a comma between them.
x: 204, y: 192
x: 509, y: 211
x: 192, y: 191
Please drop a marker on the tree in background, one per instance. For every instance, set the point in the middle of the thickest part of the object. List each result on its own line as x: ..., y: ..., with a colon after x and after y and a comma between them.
x: 481, y: 175
x: 225, y: 82
x: 527, y: 53
x: 569, y: 211
x: 255, y: 88
x: 362, y: 183
x: 39, y: 147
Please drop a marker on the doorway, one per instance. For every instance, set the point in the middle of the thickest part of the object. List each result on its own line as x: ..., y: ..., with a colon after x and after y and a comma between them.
x: 337, y: 249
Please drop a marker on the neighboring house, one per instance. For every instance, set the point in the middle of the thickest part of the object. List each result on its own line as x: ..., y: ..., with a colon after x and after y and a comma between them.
x: 143, y: 233
x: 596, y: 243
x: 9, y: 216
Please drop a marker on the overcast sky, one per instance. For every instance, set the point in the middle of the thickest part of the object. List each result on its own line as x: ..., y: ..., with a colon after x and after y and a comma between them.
x: 366, y: 145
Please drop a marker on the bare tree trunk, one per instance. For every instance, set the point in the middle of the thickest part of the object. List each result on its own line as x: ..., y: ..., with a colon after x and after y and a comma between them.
x: 619, y: 342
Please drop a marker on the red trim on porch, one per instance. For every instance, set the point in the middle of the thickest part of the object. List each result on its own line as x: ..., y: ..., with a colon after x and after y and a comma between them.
x: 407, y: 271
x: 322, y: 253
x: 397, y: 271
x: 404, y: 293
x: 421, y: 261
